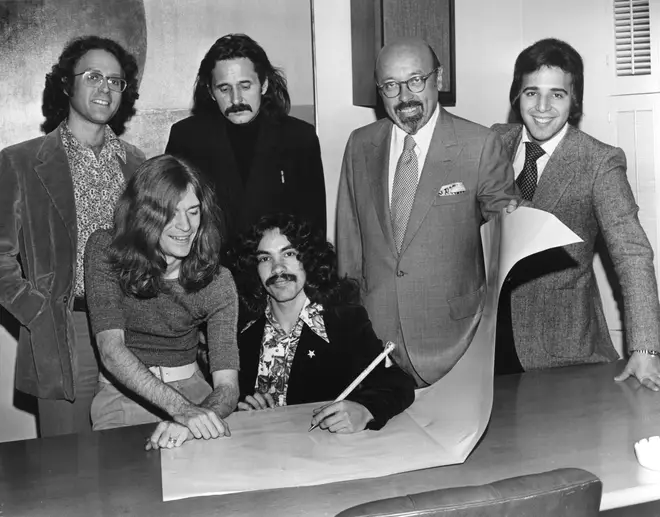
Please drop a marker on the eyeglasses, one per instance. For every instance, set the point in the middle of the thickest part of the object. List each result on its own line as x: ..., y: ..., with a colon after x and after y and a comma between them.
x: 415, y: 84
x: 95, y: 79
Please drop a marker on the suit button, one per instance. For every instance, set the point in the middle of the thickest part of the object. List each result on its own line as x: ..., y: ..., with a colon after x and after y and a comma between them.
x: 400, y: 273
x: 65, y: 300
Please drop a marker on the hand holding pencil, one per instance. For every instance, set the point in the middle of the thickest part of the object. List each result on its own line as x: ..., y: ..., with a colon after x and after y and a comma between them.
x: 344, y: 416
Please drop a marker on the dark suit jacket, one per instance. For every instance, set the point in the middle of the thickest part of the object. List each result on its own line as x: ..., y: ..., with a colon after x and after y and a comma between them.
x: 556, y: 309
x: 38, y: 222
x: 385, y: 392
x: 286, y: 173
x: 430, y: 296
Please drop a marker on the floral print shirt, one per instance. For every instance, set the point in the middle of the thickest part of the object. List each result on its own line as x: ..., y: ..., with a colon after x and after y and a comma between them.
x: 97, y: 184
x: 278, y: 349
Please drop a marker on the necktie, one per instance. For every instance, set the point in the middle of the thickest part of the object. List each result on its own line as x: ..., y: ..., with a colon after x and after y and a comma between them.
x: 403, y: 190
x: 528, y: 177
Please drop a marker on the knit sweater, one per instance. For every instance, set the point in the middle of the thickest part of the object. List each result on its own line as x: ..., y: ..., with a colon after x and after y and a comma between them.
x: 163, y: 330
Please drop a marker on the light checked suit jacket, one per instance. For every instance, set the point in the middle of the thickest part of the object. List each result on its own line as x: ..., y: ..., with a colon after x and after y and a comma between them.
x: 428, y: 298
x: 556, y: 308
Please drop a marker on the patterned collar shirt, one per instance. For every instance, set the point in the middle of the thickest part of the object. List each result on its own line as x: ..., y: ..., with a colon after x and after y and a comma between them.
x: 98, y: 182
x: 279, y: 348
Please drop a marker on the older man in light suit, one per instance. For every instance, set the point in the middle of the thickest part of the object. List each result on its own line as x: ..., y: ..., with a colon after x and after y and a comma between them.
x: 413, y: 193
x: 556, y: 316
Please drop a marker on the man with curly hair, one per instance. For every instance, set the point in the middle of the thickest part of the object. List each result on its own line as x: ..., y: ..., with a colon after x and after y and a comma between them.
x: 56, y: 190
x: 310, y: 338
x: 240, y: 136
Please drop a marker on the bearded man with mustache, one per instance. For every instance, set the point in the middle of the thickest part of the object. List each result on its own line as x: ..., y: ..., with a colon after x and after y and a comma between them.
x: 414, y: 191
x: 240, y: 136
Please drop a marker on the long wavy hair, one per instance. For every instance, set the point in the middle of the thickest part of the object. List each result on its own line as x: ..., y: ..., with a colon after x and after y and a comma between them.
x: 60, y: 80
x: 275, y: 102
x: 316, y: 254
x: 552, y: 53
x: 146, y: 206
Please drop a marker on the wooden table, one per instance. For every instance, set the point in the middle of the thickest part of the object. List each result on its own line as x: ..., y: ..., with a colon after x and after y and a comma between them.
x: 570, y: 417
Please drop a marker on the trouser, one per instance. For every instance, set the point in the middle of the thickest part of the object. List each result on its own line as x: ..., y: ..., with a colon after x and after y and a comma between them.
x: 65, y: 417
x: 115, y: 406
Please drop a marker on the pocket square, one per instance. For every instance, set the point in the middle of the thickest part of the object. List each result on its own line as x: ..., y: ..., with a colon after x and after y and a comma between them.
x: 451, y: 189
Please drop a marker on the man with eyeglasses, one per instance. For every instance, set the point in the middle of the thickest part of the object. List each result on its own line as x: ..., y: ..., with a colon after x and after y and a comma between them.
x: 56, y: 190
x: 414, y: 191
x: 240, y: 135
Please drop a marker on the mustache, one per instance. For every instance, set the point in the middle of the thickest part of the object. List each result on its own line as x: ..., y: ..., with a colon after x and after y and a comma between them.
x: 408, y: 104
x: 237, y: 108
x: 284, y: 276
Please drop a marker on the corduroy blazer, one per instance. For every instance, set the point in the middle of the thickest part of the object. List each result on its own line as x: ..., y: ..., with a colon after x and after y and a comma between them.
x: 429, y: 297
x: 320, y: 371
x: 38, y: 243
x: 556, y: 308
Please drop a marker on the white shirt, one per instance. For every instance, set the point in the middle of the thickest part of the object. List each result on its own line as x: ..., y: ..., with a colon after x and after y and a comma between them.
x: 422, y: 144
x: 549, y: 148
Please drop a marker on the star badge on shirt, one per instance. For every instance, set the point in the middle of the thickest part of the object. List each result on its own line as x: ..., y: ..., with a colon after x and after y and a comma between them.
x: 311, y: 353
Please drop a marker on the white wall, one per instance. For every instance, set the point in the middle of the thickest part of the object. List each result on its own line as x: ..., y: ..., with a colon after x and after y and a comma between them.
x: 488, y: 39
x: 336, y: 115
x: 14, y: 423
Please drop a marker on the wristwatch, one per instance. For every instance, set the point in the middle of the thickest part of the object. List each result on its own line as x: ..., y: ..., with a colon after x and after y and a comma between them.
x: 646, y: 351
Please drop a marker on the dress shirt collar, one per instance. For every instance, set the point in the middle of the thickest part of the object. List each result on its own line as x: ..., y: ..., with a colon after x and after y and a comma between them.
x: 110, y: 141
x: 311, y: 315
x: 549, y: 146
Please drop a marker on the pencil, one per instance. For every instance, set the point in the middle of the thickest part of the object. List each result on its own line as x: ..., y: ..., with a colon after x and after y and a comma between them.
x: 388, y: 348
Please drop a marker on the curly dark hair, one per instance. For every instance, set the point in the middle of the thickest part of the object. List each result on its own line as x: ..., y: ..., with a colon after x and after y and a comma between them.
x: 59, y: 82
x: 275, y: 102
x: 146, y: 206
x: 552, y: 53
x: 316, y: 254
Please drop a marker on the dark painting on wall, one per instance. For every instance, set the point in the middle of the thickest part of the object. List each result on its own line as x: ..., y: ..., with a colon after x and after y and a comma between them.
x: 375, y: 23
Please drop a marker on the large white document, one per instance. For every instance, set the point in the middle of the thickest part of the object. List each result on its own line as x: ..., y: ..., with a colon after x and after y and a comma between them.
x: 272, y: 449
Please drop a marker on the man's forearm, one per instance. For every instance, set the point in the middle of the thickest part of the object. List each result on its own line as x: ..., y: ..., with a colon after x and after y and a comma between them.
x: 133, y: 374
x: 222, y: 401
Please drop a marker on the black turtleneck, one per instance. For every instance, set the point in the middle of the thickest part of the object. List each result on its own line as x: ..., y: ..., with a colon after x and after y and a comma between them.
x: 243, y: 139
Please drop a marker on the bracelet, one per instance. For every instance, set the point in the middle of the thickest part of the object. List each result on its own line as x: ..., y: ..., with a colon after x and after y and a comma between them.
x: 646, y: 351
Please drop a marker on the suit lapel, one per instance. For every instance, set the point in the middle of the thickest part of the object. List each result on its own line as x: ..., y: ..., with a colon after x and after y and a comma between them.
x: 226, y: 176
x: 265, y: 152
x: 558, y: 173
x: 377, y: 154
x: 440, y: 161
x: 52, y: 168
x: 511, y: 141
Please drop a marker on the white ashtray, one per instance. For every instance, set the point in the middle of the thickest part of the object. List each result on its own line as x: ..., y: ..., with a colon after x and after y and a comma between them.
x: 647, y: 451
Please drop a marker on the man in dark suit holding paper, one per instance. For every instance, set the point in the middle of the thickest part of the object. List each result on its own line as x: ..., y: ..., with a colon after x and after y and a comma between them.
x: 555, y: 316
x: 414, y: 191
x: 307, y: 341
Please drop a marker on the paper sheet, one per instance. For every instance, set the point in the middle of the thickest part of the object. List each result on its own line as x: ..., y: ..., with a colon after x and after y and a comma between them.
x: 272, y: 449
